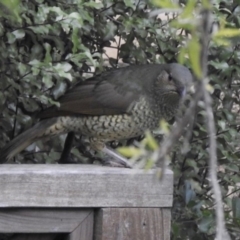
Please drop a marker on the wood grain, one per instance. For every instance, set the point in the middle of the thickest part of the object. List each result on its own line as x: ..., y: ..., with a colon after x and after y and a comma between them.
x: 166, y: 216
x: 42, y: 220
x: 82, y: 186
x: 130, y: 223
x: 84, y: 231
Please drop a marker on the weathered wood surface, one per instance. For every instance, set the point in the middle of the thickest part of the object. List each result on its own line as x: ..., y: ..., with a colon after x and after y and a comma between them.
x: 132, y: 223
x: 166, y: 216
x: 82, y: 186
x: 46, y: 221
x: 84, y: 231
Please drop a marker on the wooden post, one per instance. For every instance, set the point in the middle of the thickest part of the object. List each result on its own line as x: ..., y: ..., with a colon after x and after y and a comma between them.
x: 124, y: 223
x: 85, y: 201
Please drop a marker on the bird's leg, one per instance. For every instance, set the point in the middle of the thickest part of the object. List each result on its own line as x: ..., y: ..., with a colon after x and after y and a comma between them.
x: 67, y: 149
x: 115, y: 159
x: 85, y: 150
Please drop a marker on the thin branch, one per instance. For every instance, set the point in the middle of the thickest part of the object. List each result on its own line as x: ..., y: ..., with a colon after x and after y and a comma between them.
x: 229, y: 194
x: 176, y: 132
x: 114, y: 20
x: 221, y: 231
x: 119, y: 45
x: 15, y: 120
x: 220, y: 223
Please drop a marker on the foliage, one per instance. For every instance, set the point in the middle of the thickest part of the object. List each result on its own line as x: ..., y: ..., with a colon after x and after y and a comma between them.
x: 47, y: 45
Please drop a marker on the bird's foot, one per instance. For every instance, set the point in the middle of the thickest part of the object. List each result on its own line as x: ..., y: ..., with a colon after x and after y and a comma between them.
x: 113, y: 163
x: 110, y: 157
x: 67, y: 160
x: 116, y: 160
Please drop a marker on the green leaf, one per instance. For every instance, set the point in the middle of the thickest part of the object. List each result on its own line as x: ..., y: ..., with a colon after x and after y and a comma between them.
x: 150, y: 141
x: 92, y: 4
x: 164, y: 125
x: 130, y: 151
x: 35, y: 71
x: 236, y: 207
x: 182, y: 55
x: 48, y: 57
x: 194, y: 56
x: 76, y: 40
x: 12, y: 7
x: 61, y: 69
x: 66, y: 75
x: 205, y: 224
x: 219, y: 65
x: 47, y: 80
x: 232, y: 167
x: 165, y: 4
x: 22, y: 68
x: 57, y: 10
x: 59, y: 89
x: 66, y: 66
x: 11, y: 38
x: 189, y: 9
x: 206, y: 4
x: 189, y: 193
x: 109, y: 31
x: 222, y: 124
x: 75, y: 15
x: 149, y: 164
x: 35, y: 62
x: 129, y: 3
x: 18, y: 34
x: 227, y: 33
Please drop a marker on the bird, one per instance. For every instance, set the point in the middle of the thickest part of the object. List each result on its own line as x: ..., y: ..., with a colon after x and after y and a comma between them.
x: 118, y: 104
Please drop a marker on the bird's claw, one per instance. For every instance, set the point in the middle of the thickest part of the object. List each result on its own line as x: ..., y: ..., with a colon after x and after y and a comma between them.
x: 114, y: 163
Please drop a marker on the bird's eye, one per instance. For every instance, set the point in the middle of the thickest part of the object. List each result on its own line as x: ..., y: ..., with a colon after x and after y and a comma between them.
x: 170, y: 77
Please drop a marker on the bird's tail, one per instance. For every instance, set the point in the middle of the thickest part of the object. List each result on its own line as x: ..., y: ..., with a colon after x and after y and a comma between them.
x: 26, y: 138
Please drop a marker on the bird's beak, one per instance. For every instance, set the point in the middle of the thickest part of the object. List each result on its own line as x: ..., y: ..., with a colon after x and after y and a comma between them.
x: 181, y: 91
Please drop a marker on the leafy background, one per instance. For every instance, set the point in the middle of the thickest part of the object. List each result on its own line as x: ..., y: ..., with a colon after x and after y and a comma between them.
x: 48, y: 45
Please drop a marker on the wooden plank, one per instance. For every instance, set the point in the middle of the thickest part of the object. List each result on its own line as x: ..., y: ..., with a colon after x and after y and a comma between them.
x: 84, y: 231
x: 42, y: 220
x: 82, y: 186
x: 166, y: 215
x: 129, y: 223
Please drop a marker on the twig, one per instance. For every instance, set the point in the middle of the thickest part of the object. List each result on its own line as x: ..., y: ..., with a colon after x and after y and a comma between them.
x: 221, y: 231
x: 176, y: 132
x: 15, y: 120
x: 118, y: 51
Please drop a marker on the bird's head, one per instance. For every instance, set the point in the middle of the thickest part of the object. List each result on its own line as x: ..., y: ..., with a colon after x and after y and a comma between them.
x: 173, y: 82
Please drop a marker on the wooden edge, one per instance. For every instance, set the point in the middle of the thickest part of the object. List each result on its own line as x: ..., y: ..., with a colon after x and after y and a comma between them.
x: 84, y: 231
x: 42, y: 220
x: 129, y: 223
x: 82, y: 186
x: 166, y: 213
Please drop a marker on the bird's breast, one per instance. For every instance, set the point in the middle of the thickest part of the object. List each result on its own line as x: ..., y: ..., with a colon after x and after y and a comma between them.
x: 142, y: 115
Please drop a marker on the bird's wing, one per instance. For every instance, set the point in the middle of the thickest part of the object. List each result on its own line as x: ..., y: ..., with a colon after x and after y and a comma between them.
x: 106, y: 94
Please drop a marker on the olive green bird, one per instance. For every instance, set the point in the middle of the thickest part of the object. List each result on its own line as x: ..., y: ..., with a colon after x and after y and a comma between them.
x: 118, y: 104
